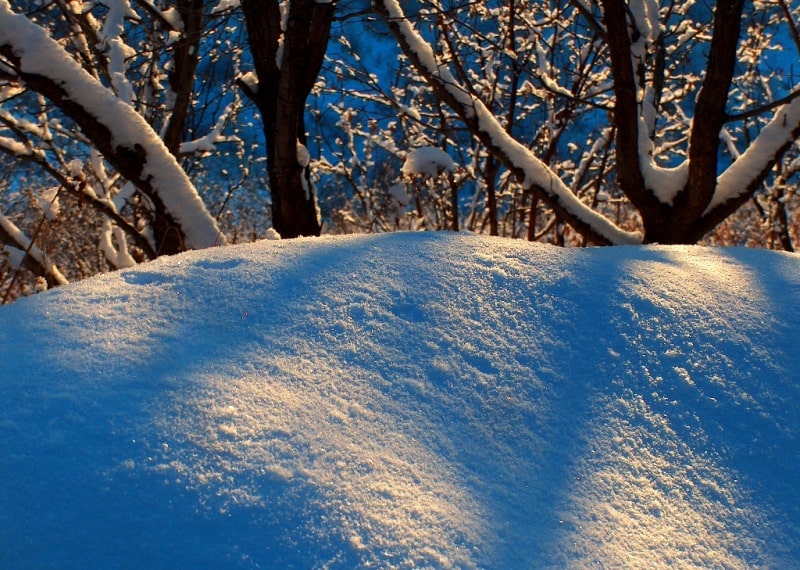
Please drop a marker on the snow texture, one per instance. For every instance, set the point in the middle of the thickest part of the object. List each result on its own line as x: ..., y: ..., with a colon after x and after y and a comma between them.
x: 250, y: 80
x: 428, y: 161
x: 407, y: 401
x: 40, y: 54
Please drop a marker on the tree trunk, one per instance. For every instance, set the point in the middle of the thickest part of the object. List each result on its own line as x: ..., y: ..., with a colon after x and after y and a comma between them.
x: 686, y: 219
x: 626, y: 118
x: 181, y: 77
x: 709, y: 118
x: 287, y: 62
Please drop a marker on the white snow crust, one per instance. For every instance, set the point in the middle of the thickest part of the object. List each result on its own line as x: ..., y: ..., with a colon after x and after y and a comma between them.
x: 407, y: 401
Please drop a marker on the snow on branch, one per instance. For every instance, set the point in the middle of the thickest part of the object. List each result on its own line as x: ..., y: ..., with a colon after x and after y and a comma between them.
x: 128, y: 141
x: 208, y: 142
x: 751, y: 166
x: 23, y: 251
x: 169, y: 18
x: 536, y: 175
x: 77, y: 187
x: 428, y: 161
x: 223, y: 5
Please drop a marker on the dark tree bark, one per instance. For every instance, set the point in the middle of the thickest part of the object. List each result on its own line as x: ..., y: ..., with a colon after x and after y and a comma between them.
x: 709, y: 118
x: 287, y: 63
x: 181, y: 78
x: 626, y: 112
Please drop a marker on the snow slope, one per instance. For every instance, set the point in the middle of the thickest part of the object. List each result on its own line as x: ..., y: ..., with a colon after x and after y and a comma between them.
x: 407, y: 400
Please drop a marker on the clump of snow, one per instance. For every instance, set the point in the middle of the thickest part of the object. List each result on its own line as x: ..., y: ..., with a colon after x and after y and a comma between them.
x: 303, y: 156
x: 409, y: 400
x: 250, y: 80
x: 208, y: 142
x: 225, y: 5
x: 114, y: 246
x: 428, y: 161
x: 49, y: 203
x: 174, y: 18
x: 14, y: 255
x: 399, y: 194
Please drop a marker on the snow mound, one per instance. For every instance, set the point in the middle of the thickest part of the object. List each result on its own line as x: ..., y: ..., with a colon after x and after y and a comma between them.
x: 406, y: 400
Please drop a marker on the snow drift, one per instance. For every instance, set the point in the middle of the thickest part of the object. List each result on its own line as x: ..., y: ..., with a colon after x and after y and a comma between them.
x: 406, y: 400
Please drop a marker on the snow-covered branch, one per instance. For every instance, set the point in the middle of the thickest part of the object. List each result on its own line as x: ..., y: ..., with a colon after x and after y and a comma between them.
x: 23, y: 251
x: 115, y: 128
x: 750, y: 168
x: 536, y: 175
x: 77, y: 188
x: 208, y: 142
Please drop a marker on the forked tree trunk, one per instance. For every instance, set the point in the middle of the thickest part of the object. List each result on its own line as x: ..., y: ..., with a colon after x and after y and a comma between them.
x: 287, y: 59
x: 686, y: 219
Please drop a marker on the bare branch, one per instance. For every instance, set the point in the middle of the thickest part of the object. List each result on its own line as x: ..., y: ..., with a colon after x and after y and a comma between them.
x: 764, y: 108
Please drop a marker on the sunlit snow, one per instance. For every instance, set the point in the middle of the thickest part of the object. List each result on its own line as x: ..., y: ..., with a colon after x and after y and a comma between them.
x: 428, y: 161
x: 410, y: 401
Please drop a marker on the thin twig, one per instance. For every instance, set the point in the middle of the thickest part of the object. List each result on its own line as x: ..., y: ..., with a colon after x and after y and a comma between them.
x: 764, y: 108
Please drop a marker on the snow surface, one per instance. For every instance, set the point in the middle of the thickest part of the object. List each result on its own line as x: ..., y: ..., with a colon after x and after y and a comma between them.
x: 407, y: 400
